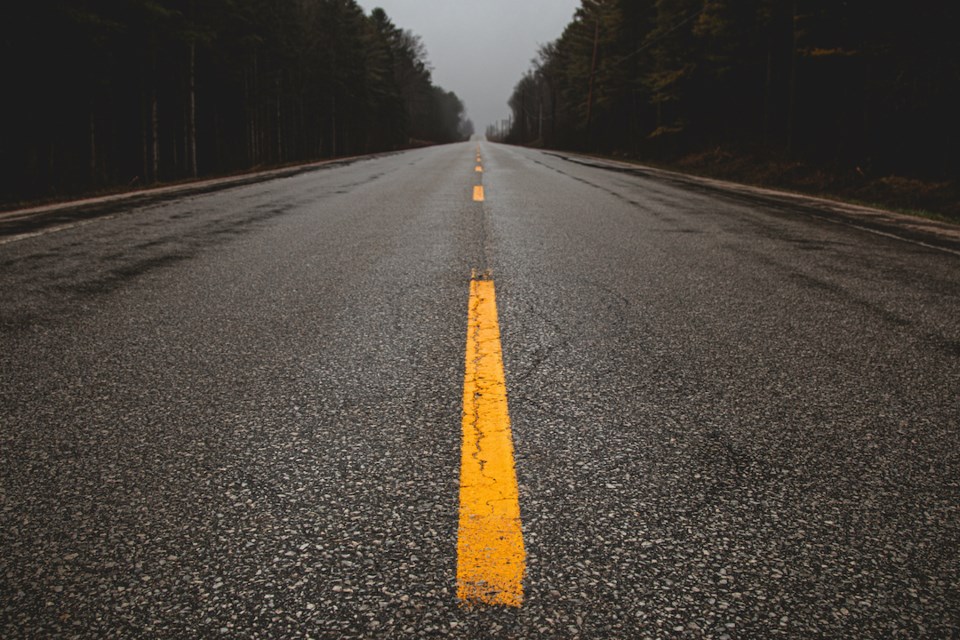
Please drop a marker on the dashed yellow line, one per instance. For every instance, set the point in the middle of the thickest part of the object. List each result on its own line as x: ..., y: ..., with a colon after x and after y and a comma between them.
x: 478, y: 193
x: 479, y: 169
x: 490, y: 556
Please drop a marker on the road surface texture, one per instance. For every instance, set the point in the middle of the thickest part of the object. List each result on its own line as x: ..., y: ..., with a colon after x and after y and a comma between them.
x: 238, y: 413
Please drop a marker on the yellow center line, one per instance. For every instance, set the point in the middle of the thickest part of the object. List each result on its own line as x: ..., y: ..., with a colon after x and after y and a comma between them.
x: 490, y: 555
x: 478, y: 193
x: 479, y: 169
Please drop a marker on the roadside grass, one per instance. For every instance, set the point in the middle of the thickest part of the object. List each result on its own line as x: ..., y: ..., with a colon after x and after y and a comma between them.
x: 929, y: 199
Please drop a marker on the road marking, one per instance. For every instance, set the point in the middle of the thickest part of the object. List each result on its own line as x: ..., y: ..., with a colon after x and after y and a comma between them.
x: 490, y: 556
x: 885, y: 234
x: 57, y: 229
x: 478, y: 193
x: 479, y: 169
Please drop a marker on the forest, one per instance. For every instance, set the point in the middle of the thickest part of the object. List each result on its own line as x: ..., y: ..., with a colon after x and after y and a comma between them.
x: 865, y: 89
x: 104, y: 94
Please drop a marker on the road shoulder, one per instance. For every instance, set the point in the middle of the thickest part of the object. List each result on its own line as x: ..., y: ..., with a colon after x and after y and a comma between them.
x: 934, y: 234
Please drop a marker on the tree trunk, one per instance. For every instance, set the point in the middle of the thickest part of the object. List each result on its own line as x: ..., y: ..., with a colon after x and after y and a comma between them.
x: 255, y: 146
x: 553, y: 114
x: 792, y: 104
x: 865, y: 137
x: 191, y: 150
x: 768, y: 98
x: 51, y: 164
x: 154, y: 136
x: 540, y: 123
x: 93, y: 143
x: 333, y: 125
x: 154, y: 121
x: 144, y: 135
x: 593, y: 73
x: 217, y: 142
x: 303, y: 149
x: 279, y: 127
x: 248, y: 109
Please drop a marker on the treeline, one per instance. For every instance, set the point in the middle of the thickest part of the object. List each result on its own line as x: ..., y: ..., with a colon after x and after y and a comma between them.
x: 870, y: 84
x: 118, y: 92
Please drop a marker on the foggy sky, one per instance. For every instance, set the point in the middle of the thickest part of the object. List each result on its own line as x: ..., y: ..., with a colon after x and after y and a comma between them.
x: 480, y: 48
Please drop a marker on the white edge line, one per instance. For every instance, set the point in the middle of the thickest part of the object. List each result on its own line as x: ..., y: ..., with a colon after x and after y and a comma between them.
x: 62, y: 227
x: 801, y: 199
x: 886, y: 234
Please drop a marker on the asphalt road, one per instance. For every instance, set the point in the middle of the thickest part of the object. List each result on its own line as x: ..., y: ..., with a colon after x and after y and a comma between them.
x: 237, y: 413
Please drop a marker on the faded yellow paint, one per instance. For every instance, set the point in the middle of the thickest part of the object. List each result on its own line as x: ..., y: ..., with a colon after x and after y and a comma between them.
x: 490, y: 557
x: 479, y: 169
x: 478, y: 193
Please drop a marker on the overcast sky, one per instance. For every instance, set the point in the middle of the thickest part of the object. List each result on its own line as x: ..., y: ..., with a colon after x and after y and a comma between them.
x: 480, y: 48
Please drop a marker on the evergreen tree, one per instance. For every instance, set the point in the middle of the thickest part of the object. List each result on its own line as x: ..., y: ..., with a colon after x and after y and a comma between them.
x: 121, y: 92
x: 856, y: 82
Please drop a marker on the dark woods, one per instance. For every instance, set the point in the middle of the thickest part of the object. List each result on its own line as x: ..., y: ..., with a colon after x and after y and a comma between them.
x: 871, y: 85
x: 119, y: 92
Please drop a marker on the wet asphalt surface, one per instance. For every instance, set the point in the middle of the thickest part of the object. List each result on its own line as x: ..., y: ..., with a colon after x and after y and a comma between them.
x: 237, y: 413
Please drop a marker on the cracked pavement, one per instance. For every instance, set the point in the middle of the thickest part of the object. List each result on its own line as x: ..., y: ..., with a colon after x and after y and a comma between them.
x: 238, y: 413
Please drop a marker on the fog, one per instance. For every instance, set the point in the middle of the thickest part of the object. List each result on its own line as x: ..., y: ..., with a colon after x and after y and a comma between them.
x: 480, y: 49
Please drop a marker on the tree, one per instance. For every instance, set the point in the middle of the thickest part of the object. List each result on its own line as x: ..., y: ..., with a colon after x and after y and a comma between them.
x: 854, y: 82
x: 119, y: 92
